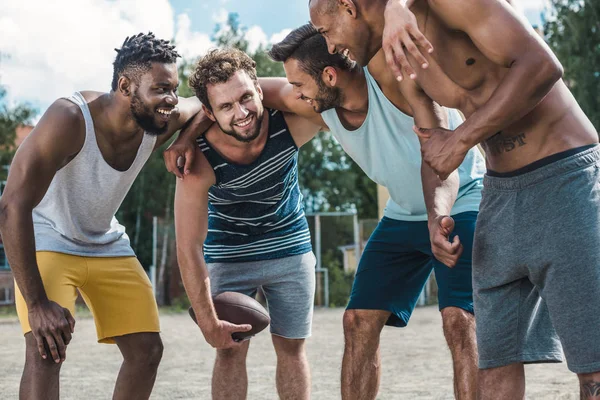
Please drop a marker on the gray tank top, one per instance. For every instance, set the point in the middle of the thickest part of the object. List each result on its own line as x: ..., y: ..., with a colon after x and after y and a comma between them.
x: 77, y: 214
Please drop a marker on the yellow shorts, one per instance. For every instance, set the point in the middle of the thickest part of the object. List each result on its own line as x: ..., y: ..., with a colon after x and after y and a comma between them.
x: 116, y: 290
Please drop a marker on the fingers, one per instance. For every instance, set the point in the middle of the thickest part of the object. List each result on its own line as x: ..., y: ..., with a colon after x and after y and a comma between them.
x: 70, y: 319
x: 55, y: 345
x: 445, y: 251
x: 189, y: 161
x: 423, y: 133
x: 40, y: 344
x: 447, y: 225
x: 170, y: 156
x: 422, y: 43
x: 393, y: 59
x: 239, y: 328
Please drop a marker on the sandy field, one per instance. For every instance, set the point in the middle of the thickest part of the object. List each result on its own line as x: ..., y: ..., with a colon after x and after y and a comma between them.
x: 416, y: 362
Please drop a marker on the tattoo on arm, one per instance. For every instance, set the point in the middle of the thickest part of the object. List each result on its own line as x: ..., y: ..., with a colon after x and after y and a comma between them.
x: 590, y: 390
x: 499, y: 143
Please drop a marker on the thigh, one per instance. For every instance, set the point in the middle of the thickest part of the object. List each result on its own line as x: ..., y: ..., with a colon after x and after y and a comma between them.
x: 392, y: 272
x: 243, y: 277
x: 61, y: 274
x: 513, y: 326
x: 289, y: 288
x: 120, y: 296
x: 455, y: 285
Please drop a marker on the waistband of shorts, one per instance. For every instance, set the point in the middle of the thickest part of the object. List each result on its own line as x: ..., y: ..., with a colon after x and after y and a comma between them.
x: 577, y: 161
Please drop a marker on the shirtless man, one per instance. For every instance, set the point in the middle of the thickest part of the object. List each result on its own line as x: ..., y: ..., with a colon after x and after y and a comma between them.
x: 532, y: 285
x: 57, y: 216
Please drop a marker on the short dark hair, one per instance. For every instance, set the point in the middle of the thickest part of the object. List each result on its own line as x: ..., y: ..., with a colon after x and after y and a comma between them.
x: 137, y: 54
x: 218, y: 66
x: 309, y: 47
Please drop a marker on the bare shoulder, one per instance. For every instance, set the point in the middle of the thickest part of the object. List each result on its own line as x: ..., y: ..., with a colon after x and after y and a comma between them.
x: 62, y: 124
x: 202, y: 175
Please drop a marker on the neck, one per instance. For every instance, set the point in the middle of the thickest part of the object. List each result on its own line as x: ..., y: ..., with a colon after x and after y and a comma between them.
x: 355, y: 90
x: 115, y: 118
x: 373, y: 12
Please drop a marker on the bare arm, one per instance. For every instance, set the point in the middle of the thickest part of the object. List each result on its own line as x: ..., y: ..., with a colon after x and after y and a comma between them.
x: 55, y: 140
x: 180, y: 154
x: 279, y: 94
x: 506, y: 39
x: 188, y: 107
x: 191, y: 225
x: 439, y: 195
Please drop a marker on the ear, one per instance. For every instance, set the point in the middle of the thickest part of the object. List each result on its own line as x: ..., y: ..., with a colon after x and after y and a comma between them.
x: 259, y: 91
x: 209, y: 113
x: 329, y: 76
x: 349, y: 7
x: 124, y: 86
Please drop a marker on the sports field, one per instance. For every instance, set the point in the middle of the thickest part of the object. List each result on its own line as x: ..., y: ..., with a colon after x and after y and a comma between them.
x: 416, y: 362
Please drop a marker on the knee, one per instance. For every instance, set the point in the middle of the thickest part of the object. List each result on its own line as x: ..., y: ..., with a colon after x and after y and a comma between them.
x: 289, y: 348
x: 358, y: 326
x: 34, y: 360
x: 233, y: 356
x: 147, y: 355
x: 457, y: 322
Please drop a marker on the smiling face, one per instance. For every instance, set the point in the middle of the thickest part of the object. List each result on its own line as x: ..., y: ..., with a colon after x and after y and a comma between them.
x: 345, y: 30
x: 154, y: 98
x: 237, y: 106
x: 314, y: 91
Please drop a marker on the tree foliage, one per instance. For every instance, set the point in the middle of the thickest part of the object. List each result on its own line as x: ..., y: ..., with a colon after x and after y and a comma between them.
x: 11, y: 117
x: 573, y: 33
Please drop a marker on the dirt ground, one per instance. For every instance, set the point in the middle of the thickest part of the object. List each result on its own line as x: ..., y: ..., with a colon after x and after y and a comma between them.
x: 416, y: 362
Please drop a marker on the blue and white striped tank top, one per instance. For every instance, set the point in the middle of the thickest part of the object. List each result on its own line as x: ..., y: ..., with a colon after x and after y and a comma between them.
x: 255, y: 211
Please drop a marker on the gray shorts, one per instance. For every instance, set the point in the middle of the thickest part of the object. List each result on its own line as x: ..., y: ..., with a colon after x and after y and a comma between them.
x: 288, y: 284
x: 536, y: 266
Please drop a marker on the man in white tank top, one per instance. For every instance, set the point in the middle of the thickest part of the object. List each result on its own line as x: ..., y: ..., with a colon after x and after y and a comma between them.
x: 66, y: 182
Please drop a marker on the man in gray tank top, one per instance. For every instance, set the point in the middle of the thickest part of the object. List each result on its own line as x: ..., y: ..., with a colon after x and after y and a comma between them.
x: 57, y: 217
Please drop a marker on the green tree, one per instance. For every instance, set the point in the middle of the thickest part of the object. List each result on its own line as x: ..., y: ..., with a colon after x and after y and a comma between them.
x: 574, y: 35
x: 10, y: 119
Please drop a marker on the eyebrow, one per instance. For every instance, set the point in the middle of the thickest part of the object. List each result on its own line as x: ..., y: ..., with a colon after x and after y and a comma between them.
x: 167, y: 84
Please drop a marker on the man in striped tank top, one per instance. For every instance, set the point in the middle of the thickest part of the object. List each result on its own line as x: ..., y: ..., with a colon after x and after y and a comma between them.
x: 423, y: 219
x: 240, y: 222
x: 57, y: 217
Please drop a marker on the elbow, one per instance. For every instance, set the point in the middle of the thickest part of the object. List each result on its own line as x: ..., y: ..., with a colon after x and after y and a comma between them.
x: 5, y: 212
x: 549, y: 70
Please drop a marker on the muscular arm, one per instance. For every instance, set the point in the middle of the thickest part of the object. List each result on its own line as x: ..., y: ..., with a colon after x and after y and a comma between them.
x: 191, y: 226
x: 58, y: 137
x: 188, y: 108
x: 279, y: 94
x: 439, y: 195
x: 506, y: 39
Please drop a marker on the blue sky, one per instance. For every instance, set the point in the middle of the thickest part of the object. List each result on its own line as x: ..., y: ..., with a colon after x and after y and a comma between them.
x: 268, y: 14
x: 53, y: 53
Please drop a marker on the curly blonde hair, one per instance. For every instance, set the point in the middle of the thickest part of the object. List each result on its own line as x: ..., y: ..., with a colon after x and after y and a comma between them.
x: 218, y: 66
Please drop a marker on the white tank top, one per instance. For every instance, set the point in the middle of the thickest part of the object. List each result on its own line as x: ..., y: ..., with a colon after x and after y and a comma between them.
x: 77, y: 214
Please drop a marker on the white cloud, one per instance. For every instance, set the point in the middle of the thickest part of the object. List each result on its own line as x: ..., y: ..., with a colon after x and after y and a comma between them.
x: 255, y: 37
x: 279, y: 36
x: 52, y: 53
x: 190, y: 44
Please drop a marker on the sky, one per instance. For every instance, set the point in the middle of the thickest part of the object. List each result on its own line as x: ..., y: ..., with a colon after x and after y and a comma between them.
x: 50, y: 49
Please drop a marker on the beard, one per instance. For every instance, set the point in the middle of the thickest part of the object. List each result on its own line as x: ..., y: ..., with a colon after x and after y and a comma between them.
x: 327, y: 97
x: 258, y: 117
x: 145, y: 117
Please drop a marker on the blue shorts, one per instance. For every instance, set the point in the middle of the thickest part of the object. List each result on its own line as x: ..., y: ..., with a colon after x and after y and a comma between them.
x: 397, y: 261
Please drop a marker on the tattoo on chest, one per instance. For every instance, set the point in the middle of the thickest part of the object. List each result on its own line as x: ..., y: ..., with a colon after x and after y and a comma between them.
x: 590, y: 390
x: 499, y: 144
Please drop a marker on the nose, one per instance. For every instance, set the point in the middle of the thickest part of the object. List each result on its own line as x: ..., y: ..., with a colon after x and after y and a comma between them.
x: 172, y: 98
x: 241, y: 112
x: 331, y: 48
